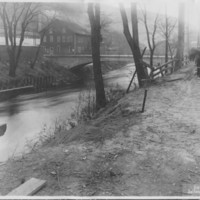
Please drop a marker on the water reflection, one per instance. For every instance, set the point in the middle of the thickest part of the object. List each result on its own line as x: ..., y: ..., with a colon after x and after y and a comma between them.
x: 12, y: 107
x: 25, y: 116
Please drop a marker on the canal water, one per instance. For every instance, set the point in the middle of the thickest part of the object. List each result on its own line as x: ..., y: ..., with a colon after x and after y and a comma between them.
x: 26, y: 115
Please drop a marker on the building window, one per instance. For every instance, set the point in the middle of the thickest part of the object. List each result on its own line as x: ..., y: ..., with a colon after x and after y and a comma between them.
x: 45, y: 39
x: 63, y: 38
x: 50, y: 31
x: 58, y: 49
x: 51, y: 38
x: 58, y: 39
x: 63, y: 30
x: 80, y: 40
x: 70, y: 38
x: 46, y: 50
x: 51, y: 50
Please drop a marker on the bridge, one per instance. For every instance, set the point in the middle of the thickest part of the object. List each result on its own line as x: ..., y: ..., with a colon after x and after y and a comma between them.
x: 76, y: 61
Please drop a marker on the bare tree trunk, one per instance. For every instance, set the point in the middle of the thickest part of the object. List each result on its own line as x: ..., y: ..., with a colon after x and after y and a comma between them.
x: 134, y: 41
x: 94, y: 16
x: 32, y: 64
x: 134, y: 21
x: 170, y: 50
x: 37, y: 53
x: 151, y: 59
x: 12, y: 68
x: 181, y: 33
x: 16, y: 15
x: 151, y: 37
x: 166, y: 39
x: 166, y: 50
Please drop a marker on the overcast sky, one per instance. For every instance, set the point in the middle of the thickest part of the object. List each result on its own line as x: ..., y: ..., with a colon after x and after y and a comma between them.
x: 192, y: 7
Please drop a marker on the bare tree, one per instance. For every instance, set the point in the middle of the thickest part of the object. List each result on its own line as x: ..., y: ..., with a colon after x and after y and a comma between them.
x: 151, y: 35
x: 59, y: 10
x: 16, y: 18
x: 42, y: 35
x: 181, y: 35
x: 46, y: 24
x: 166, y: 29
x: 173, y: 46
x: 94, y: 18
x: 133, y: 41
x: 105, y: 22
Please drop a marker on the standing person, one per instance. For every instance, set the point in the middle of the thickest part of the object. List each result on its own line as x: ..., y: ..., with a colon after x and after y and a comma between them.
x: 194, y: 55
x: 197, y: 62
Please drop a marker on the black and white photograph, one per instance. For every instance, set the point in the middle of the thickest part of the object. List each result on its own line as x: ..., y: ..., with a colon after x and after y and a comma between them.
x: 100, y: 99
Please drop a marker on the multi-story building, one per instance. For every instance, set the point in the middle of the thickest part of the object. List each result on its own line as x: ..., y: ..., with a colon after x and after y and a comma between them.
x: 65, y: 38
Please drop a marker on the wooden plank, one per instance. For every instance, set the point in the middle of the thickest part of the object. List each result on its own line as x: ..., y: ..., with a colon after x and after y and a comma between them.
x: 28, y: 188
x: 167, y: 63
x: 162, y: 71
x: 131, y: 81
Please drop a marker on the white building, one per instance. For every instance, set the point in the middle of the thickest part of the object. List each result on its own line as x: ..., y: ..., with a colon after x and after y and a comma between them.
x: 31, y: 39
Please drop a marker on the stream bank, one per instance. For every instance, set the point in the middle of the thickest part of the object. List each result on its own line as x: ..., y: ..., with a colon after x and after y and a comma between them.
x: 122, y: 151
x: 29, y: 116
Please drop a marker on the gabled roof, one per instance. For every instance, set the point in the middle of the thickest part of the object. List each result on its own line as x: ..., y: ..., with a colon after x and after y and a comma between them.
x: 74, y: 27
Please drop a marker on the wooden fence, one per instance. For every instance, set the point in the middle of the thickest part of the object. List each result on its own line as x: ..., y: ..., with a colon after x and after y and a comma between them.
x: 166, y: 68
x: 38, y: 83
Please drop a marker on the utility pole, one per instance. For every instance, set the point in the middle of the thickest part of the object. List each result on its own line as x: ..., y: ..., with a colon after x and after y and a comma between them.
x: 181, y: 35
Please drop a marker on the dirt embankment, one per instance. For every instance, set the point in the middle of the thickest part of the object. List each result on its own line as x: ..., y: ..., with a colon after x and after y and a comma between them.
x: 60, y: 75
x: 123, y: 151
x: 43, y: 69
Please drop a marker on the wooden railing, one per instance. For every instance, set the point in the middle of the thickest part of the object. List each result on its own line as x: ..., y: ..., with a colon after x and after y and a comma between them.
x: 166, y: 68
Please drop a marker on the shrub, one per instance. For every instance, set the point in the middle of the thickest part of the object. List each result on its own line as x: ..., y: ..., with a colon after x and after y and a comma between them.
x: 86, y: 106
x: 85, y: 109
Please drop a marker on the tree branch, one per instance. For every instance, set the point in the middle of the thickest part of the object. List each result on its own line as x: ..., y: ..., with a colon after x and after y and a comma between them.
x: 154, y: 31
x: 125, y: 25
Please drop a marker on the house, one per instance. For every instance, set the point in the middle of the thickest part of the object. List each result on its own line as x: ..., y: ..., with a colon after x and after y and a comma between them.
x: 65, y: 38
